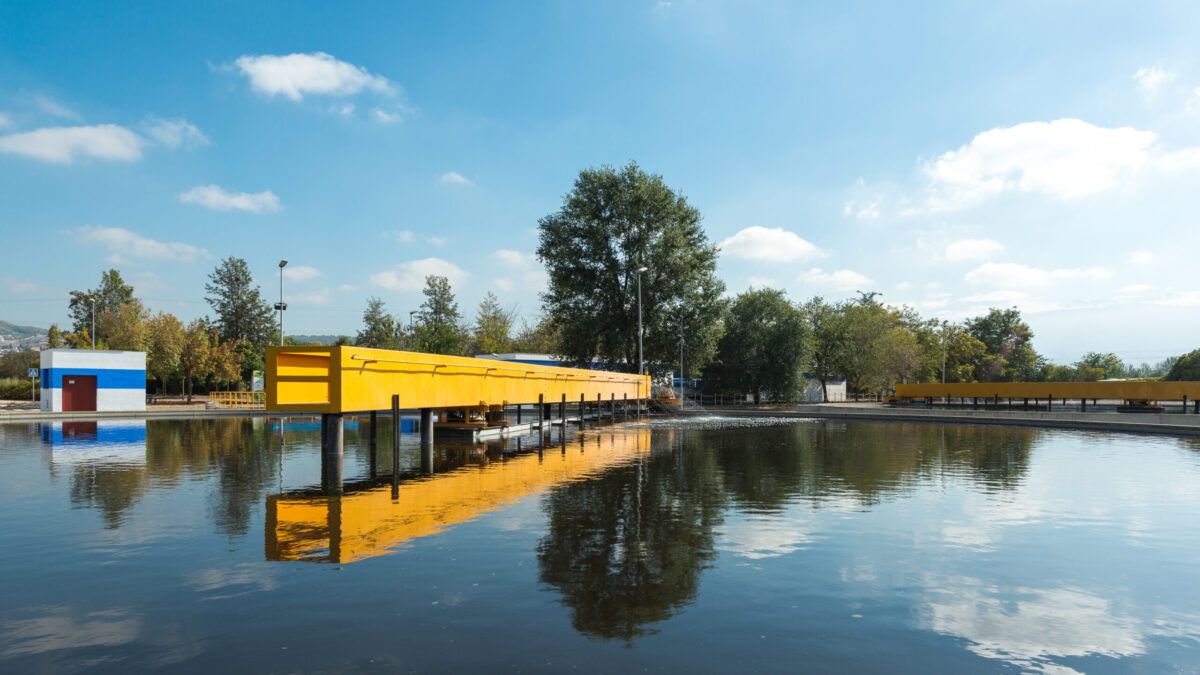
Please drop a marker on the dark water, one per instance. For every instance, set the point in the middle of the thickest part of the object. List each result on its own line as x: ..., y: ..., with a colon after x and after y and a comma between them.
x: 708, y: 545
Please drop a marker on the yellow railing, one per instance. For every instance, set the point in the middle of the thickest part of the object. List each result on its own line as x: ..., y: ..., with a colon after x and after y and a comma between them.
x: 238, y: 400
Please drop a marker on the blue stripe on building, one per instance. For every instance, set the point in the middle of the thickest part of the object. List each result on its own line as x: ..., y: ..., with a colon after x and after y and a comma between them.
x: 106, y: 378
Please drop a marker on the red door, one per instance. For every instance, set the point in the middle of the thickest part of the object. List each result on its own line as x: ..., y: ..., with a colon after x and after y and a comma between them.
x: 79, y: 393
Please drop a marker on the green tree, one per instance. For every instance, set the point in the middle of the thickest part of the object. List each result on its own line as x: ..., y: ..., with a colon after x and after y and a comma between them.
x: 164, y: 336
x: 1185, y: 369
x: 1010, y: 356
x: 54, y: 338
x: 493, y: 327
x: 1109, y: 365
x: 379, y: 327
x: 242, y: 313
x: 123, y: 327
x: 107, y: 297
x: 438, y: 331
x: 195, y: 354
x: 540, y: 337
x: 765, y: 346
x: 964, y: 354
x: 612, y: 223
x: 827, y: 331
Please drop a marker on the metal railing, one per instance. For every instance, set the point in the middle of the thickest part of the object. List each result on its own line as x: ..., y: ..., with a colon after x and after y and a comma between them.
x: 238, y: 400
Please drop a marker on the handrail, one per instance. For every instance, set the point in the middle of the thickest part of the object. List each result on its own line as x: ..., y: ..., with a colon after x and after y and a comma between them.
x: 526, y: 371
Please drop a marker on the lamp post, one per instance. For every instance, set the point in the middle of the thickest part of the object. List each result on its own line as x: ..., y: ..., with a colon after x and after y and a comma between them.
x: 943, y: 352
x: 641, y: 362
x: 681, y: 364
x: 93, y: 324
x: 412, y: 338
x: 281, y: 305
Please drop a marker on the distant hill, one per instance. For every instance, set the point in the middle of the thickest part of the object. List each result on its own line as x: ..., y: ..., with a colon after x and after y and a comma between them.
x: 319, y: 339
x: 13, y: 336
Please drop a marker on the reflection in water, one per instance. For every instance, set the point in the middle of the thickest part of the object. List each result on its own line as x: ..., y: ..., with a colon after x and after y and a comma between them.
x: 626, y: 551
x: 374, y: 520
x: 952, y: 548
x: 1028, y: 626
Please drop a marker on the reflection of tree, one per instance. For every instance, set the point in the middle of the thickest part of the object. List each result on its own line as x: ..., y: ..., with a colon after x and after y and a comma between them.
x: 626, y: 549
x: 238, y: 451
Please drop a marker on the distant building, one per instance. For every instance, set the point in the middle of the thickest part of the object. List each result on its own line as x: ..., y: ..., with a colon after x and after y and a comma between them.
x: 835, y: 389
x: 84, y: 380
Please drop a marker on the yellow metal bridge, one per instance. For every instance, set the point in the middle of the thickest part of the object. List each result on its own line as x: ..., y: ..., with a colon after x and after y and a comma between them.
x: 1136, y: 394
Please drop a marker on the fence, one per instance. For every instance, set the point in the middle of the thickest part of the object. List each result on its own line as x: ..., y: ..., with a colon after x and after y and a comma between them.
x: 238, y: 399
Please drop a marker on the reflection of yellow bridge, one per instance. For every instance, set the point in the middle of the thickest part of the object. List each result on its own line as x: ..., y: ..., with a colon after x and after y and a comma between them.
x: 361, y: 525
x: 354, y: 379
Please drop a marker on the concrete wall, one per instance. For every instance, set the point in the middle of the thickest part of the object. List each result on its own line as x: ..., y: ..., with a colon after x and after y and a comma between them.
x: 835, y: 389
x: 120, y: 377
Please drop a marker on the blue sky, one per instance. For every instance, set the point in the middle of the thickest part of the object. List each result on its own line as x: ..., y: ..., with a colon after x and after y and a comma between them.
x: 950, y: 156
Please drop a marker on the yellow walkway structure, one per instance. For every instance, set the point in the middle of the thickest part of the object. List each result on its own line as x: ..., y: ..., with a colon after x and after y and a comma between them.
x: 1136, y: 394
x: 336, y: 380
x: 346, y: 528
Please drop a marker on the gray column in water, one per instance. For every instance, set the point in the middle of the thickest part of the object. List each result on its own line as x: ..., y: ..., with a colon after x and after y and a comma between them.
x: 541, y: 411
x: 372, y: 463
x: 427, y: 440
x: 395, y: 445
x: 581, y: 400
x: 331, y: 453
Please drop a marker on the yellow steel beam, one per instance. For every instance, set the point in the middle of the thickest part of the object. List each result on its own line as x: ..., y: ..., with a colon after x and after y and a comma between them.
x: 329, y: 379
x: 360, y: 525
x: 1132, y: 390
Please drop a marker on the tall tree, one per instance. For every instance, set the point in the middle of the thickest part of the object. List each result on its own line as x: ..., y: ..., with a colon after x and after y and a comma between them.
x: 54, y: 338
x: 1010, y: 356
x: 438, y: 331
x: 1110, y: 365
x: 242, y: 313
x: 493, y: 327
x: 1185, y: 369
x: 195, y: 354
x: 107, y: 297
x: 827, y: 330
x: 765, y: 346
x: 164, y: 338
x: 379, y: 327
x: 540, y: 337
x: 123, y: 327
x: 612, y: 223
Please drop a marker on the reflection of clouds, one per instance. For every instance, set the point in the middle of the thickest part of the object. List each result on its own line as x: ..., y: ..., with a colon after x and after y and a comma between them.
x: 1027, y: 626
x: 765, y: 537
x: 985, y: 516
x: 63, y: 631
x: 244, y: 578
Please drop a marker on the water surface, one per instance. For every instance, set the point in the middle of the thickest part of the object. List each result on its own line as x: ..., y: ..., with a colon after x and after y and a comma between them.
x: 706, y: 544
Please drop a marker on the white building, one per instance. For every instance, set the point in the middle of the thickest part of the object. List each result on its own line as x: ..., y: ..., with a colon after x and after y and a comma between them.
x: 83, y: 380
x: 835, y: 389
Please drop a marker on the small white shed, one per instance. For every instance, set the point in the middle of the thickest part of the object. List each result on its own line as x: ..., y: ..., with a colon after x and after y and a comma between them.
x: 85, y: 380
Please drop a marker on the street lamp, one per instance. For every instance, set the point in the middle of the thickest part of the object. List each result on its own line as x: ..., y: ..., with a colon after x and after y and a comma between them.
x: 412, y: 338
x: 944, y: 352
x: 681, y: 364
x: 641, y: 362
x: 93, y: 324
x: 281, y: 305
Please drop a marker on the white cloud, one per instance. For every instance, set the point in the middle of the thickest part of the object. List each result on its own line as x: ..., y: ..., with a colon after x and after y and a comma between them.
x: 298, y: 75
x: 52, y: 107
x: 63, y: 145
x: 385, y: 116
x: 770, y: 244
x: 862, y: 210
x: 1193, y: 103
x: 174, y: 133
x: 903, y: 286
x: 410, y: 276
x: 1016, y: 275
x: 124, y: 244
x: 525, y: 271
x: 1142, y: 258
x: 321, y: 297
x: 346, y: 110
x: 408, y: 237
x: 215, y: 198
x: 405, y: 236
x: 4, y: 120
x: 301, y: 273
x: 841, y: 280
x: 455, y: 178
x: 1066, y: 158
x: 761, y: 282
x: 972, y: 249
x: 1151, y: 79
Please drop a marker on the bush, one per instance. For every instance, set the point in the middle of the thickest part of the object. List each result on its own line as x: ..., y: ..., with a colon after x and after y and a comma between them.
x: 1186, y: 369
x: 14, y: 388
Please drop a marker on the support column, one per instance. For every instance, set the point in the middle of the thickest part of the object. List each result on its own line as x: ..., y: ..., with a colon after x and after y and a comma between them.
x: 600, y: 407
x: 1083, y: 405
x: 612, y: 407
x: 562, y: 412
x: 625, y: 407
x: 1184, y: 411
x: 581, y: 399
x: 331, y: 453
x: 518, y: 413
x: 372, y: 462
x: 426, y: 426
x: 541, y: 408
x: 395, y: 446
